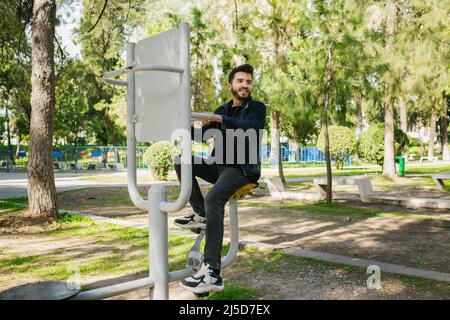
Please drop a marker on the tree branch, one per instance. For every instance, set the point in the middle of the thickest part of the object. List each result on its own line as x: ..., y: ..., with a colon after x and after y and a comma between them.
x: 63, y: 56
x: 100, y: 16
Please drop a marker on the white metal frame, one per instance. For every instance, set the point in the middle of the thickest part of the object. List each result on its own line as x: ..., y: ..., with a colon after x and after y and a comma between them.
x: 157, y: 204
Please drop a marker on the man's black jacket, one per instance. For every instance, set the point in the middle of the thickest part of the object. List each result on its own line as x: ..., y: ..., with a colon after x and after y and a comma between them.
x: 252, y: 116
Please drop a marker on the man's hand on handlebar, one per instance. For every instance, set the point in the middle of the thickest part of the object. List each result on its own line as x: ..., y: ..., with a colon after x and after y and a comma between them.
x: 214, y: 118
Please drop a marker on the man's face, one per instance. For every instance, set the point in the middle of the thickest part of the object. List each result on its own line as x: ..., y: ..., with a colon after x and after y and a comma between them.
x: 241, y: 86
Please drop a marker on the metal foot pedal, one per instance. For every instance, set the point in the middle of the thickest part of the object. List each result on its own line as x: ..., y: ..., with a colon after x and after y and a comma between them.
x: 195, y: 257
x: 194, y: 260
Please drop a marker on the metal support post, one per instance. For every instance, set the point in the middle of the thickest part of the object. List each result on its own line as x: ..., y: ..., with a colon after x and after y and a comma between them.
x: 159, y: 246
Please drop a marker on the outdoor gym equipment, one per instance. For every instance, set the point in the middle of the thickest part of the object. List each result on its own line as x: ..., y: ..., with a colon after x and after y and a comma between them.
x: 158, y: 93
x: 158, y: 83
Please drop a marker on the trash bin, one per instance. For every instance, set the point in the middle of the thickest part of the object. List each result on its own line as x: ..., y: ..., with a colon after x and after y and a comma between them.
x: 400, y: 161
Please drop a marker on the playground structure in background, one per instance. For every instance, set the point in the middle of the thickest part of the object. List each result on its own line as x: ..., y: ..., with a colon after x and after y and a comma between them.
x: 114, y: 157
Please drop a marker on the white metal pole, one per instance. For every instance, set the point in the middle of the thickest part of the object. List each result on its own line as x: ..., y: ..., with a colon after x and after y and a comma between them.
x: 131, y: 138
x: 114, y: 290
x: 159, y: 246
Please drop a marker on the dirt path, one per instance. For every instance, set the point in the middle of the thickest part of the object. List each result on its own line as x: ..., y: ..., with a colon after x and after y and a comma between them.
x: 413, y: 242
x: 292, y: 278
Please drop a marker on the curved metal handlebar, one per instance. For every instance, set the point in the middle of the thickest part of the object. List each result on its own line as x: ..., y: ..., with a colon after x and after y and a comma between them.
x: 201, y: 116
x: 137, y: 68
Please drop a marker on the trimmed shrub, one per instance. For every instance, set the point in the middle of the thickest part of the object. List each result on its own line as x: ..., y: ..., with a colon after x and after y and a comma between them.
x: 342, y: 143
x: 371, y: 143
x: 159, y: 157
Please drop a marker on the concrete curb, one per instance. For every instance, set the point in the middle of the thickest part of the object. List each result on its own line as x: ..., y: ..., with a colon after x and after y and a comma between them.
x: 385, y: 267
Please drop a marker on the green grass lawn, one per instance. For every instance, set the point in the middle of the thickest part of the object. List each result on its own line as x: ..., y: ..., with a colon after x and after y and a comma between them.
x: 127, y: 253
x: 9, y: 206
x: 111, y: 250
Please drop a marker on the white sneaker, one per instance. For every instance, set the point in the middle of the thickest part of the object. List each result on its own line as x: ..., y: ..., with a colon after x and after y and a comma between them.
x: 192, y: 221
x: 205, y: 280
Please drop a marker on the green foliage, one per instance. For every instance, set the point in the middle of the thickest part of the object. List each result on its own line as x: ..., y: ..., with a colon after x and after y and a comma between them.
x: 203, y: 92
x: 73, y: 92
x: 401, y: 142
x: 15, y: 64
x: 301, y: 123
x: 158, y: 158
x: 286, y: 41
x: 342, y: 143
x: 371, y: 143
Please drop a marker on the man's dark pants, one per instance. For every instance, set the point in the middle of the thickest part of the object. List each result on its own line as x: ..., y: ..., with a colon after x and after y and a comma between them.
x: 226, y: 181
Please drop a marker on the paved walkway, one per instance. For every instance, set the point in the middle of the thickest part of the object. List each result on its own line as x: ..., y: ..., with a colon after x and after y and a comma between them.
x: 15, y: 184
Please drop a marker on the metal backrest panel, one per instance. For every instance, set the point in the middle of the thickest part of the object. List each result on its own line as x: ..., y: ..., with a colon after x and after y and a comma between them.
x: 158, y: 94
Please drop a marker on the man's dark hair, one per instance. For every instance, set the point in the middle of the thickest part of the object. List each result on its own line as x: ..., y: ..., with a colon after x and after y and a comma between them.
x: 242, y: 68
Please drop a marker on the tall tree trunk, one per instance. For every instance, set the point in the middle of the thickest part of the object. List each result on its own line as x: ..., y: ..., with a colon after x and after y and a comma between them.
x: 10, y: 161
x: 197, y: 80
x: 236, y: 17
x: 41, y: 182
x: 76, y: 152
x: 389, y: 152
x: 444, y: 132
x: 359, y: 121
x: 359, y: 118
x: 274, y: 138
x: 403, y: 114
x: 432, y: 134
x: 329, y: 78
x: 276, y: 114
x: 444, y: 138
x: 422, y: 145
x: 293, y: 146
x: 275, y: 154
x: 18, y: 146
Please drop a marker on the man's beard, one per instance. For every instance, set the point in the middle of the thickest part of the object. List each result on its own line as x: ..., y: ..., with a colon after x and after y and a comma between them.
x: 238, y: 96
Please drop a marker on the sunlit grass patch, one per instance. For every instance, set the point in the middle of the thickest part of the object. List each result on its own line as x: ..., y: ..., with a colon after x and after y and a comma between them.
x: 324, y: 209
x: 234, y: 291
x: 8, y: 207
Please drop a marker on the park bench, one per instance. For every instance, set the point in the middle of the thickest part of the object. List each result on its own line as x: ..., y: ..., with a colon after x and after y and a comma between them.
x: 78, y: 166
x: 91, y: 166
x: 59, y: 165
x: 116, y: 166
x: 366, y: 192
x: 277, y: 190
x: 5, y: 164
x: 439, y: 178
x: 364, y: 186
x: 434, y: 158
